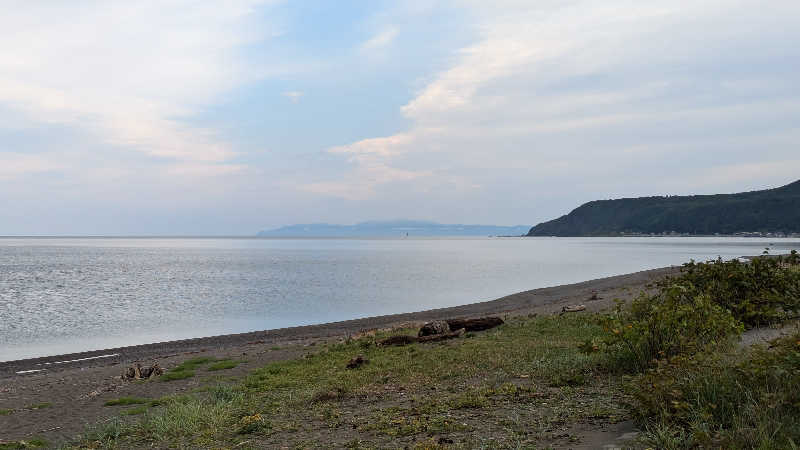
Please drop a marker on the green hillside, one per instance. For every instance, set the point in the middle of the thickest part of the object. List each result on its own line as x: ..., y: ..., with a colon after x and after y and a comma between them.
x: 769, y: 211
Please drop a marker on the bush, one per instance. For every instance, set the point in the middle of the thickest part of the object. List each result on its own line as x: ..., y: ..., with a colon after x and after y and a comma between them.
x: 719, y: 401
x: 672, y: 322
x: 702, y: 309
x: 759, y: 292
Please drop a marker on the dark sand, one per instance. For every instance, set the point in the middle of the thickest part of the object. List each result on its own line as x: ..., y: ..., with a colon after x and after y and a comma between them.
x: 76, y: 391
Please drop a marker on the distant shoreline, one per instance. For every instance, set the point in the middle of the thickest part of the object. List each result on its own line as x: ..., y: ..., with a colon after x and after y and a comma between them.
x: 255, y: 237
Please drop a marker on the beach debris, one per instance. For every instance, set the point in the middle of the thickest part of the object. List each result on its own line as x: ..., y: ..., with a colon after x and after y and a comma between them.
x: 402, y: 339
x: 405, y: 339
x: 435, y: 327
x: 440, y: 330
x: 137, y: 372
x: 442, y: 337
x: 438, y: 327
x: 479, y: 324
x: 572, y: 308
x: 357, y: 362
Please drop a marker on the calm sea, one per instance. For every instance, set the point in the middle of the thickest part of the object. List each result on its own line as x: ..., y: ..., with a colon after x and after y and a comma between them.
x: 60, y: 295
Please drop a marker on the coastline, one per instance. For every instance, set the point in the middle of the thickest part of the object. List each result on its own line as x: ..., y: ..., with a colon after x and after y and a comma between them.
x: 540, y: 300
x: 82, y: 386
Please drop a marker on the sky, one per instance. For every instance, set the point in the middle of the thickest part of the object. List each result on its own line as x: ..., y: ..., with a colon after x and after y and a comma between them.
x: 198, y: 117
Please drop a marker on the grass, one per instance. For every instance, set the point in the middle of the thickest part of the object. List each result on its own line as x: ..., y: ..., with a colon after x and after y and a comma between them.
x: 186, y: 369
x: 173, y: 375
x: 488, y: 374
x: 124, y: 401
x: 223, y: 365
x: 42, y: 405
x: 21, y: 445
x: 5, y: 412
x: 135, y: 411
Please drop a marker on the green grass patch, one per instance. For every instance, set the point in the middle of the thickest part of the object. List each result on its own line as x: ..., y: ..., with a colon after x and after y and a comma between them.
x: 194, y: 363
x: 5, y: 412
x: 123, y: 401
x: 42, y: 405
x: 224, y: 364
x: 186, y: 369
x: 174, y: 374
x: 21, y: 445
x: 135, y: 411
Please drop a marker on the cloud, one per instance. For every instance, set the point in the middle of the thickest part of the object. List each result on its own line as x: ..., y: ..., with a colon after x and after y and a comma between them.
x: 380, y: 40
x: 293, y: 96
x: 13, y: 165
x: 131, y: 74
x: 560, y: 93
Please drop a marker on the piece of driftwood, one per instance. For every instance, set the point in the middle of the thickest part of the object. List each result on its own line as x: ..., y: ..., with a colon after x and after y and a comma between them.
x: 435, y: 327
x: 405, y: 339
x: 443, y: 336
x: 137, y: 372
x: 356, y: 362
x: 573, y: 308
x: 398, y: 340
x: 480, y: 324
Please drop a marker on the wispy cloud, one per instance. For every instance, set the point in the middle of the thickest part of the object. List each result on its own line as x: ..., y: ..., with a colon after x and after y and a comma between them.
x: 129, y: 73
x: 552, y: 90
x: 380, y: 40
x: 293, y: 96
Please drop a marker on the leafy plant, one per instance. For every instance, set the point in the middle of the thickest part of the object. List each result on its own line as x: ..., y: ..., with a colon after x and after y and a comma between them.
x: 672, y: 322
x: 722, y: 401
x: 758, y: 292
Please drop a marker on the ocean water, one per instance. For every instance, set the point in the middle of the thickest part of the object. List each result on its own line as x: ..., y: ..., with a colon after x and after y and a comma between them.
x: 60, y: 295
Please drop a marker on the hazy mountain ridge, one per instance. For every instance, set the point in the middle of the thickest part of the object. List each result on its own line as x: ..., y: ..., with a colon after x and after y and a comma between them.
x: 767, y: 211
x: 393, y: 228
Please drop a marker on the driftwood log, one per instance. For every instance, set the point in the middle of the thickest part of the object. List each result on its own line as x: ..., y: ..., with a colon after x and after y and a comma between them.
x: 483, y: 323
x: 435, y: 327
x: 138, y: 372
x: 406, y: 339
x: 442, y: 337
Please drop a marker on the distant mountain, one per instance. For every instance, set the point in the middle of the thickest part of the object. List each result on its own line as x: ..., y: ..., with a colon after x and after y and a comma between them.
x: 769, y: 211
x: 393, y: 228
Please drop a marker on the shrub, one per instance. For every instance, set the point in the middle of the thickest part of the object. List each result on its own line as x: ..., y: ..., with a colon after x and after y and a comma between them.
x: 702, y: 309
x: 759, y: 292
x: 720, y: 401
x: 672, y: 322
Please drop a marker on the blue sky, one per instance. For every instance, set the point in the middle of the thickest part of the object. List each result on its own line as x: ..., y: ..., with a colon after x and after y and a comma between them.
x: 204, y: 117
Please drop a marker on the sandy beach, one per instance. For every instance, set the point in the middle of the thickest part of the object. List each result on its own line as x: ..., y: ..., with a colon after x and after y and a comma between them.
x: 57, y: 397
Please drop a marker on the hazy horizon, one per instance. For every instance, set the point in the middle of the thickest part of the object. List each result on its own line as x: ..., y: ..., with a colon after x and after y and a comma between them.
x: 198, y: 118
